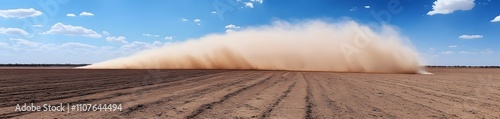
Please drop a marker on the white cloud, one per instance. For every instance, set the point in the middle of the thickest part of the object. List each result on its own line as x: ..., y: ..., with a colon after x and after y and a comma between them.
x: 4, y: 45
x: 467, y: 52
x: 258, y: 1
x: 83, y: 52
x: 249, y: 4
x: 485, y: 51
x: 77, y: 45
x: 105, y: 33
x: 169, y: 37
x: 432, y: 49
x: 231, y: 26
x: 367, y: 7
x: 107, y: 47
x: 120, y: 39
x: 12, y: 31
x: 37, y: 25
x: 60, y: 28
x: 449, y: 6
x: 146, y: 34
x: 19, y: 13
x: 137, y: 45
x: 71, y: 15
x: 24, y: 42
x: 470, y: 36
x: 447, y: 52
x: 26, y: 45
x: 496, y: 19
x: 213, y: 12
x: 86, y: 14
x: 453, y: 46
x: 196, y: 20
x: 184, y: 19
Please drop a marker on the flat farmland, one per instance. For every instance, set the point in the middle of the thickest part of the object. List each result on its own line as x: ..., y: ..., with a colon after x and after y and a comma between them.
x: 449, y: 93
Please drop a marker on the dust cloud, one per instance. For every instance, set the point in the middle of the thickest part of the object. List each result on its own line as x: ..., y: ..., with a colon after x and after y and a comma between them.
x: 313, y: 45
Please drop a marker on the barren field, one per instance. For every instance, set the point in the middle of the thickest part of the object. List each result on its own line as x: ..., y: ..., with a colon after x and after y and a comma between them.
x: 450, y: 93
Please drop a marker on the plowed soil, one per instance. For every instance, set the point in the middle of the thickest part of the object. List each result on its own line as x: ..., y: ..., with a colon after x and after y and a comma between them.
x: 449, y: 93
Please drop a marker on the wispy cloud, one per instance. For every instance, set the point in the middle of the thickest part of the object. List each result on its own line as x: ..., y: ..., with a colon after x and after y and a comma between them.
x: 12, y: 31
x: 169, y: 37
x: 138, y: 45
x: 258, y: 1
x: 24, y: 42
x: 86, y: 14
x: 470, y: 36
x: 150, y: 35
x: 431, y: 50
x: 184, y: 19
x: 83, y: 14
x: 120, y: 39
x: 353, y: 9
x: 77, y: 45
x: 485, y: 52
x: 447, y: 52
x: 105, y: 33
x: 467, y: 52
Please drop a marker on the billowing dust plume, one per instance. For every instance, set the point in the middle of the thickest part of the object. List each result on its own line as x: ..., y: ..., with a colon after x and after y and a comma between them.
x: 314, y: 45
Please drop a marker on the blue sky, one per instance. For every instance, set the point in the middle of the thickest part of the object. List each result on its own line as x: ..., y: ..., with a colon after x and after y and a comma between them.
x: 444, y: 32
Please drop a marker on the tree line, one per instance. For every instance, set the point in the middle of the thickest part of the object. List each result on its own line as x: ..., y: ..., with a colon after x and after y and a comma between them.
x: 42, y: 65
x: 460, y: 66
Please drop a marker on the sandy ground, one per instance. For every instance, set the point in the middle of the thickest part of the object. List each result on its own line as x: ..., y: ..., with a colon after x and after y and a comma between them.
x: 450, y: 93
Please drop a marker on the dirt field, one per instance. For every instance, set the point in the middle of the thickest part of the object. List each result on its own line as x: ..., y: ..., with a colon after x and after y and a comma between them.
x: 450, y: 93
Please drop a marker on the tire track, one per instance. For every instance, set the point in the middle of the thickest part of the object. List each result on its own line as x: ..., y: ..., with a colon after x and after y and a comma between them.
x: 199, y: 91
x: 309, y: 104
x: 206, y: 106
x: 325, y: 107
x: 294, y: 104
x: 278, y: 101
x: 251, y: 102
x: 354, y: 99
